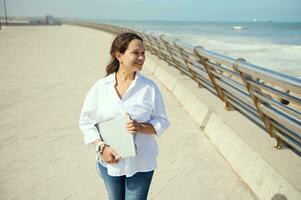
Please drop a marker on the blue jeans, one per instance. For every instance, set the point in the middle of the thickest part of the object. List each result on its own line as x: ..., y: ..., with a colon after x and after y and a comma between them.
x: 126, y: 188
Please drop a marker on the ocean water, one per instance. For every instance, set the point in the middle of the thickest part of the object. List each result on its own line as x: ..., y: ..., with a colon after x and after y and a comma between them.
x: 274, y: 45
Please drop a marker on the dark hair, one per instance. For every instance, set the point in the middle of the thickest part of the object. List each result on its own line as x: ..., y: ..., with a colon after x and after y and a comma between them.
x: 120, y: 44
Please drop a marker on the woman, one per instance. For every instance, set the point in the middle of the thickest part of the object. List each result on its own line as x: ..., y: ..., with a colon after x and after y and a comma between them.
x: 125, y: 91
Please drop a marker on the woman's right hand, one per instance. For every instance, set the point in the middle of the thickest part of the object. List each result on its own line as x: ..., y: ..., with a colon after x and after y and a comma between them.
x: 109, y: 155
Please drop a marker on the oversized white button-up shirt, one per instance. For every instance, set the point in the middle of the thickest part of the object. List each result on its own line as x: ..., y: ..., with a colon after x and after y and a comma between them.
x: 143, y: 102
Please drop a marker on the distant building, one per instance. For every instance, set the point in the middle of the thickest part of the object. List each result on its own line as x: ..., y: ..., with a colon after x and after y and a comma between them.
x: 47, y: 20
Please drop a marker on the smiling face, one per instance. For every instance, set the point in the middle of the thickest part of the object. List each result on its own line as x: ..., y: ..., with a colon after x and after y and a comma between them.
x: 134, y: 56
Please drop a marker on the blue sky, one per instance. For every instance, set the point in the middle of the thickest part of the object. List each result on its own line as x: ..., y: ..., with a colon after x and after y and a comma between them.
x: 196, y: 10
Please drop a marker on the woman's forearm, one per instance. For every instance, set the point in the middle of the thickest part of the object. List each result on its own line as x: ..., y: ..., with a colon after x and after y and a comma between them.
x: 135, y: 127
x: 147, y: 128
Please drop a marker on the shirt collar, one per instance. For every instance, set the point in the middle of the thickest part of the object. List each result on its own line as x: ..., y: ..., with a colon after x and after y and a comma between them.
x: 110, y: 78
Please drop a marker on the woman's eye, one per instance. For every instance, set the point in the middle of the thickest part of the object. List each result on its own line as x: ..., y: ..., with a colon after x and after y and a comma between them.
x: 137, y: 53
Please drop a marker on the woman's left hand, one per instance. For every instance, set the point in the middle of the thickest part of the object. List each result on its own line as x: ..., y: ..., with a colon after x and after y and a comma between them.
x: 133, y: 126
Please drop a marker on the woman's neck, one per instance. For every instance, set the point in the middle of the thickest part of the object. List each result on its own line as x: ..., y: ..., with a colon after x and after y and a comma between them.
x: 125, y: 76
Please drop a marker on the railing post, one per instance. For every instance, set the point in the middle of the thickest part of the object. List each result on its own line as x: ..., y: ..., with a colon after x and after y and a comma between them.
x: 253, y: 89
x: 202, y: 60
x: 158, y: 50
x: 193, y: 75
x: 171, y: 55
x: 144, y: 36
x: 163, y: 42
x: 151, y: 45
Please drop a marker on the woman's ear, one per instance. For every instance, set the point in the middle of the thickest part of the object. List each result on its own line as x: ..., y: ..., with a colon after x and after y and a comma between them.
x: 118, y: 55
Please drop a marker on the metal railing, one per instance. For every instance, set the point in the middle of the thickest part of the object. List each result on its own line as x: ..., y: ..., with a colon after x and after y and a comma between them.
x: 270, y: 99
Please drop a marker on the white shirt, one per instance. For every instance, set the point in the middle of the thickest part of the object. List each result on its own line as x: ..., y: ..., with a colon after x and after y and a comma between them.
x: 143, y: 102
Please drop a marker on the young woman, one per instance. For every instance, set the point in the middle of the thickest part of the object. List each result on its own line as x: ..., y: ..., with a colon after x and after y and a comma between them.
x: 125, y: 91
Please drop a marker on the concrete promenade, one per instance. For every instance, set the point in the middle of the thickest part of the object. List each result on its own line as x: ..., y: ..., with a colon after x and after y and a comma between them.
x: 45, y: 74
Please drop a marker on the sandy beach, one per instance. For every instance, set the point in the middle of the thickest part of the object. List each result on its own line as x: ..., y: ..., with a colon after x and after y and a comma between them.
x: 45, y: 74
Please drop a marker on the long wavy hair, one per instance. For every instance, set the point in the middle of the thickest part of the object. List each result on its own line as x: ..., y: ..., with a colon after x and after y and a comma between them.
x: 120, y: 44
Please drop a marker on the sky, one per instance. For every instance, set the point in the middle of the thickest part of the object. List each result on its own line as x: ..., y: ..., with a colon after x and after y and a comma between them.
x: 171, y: 10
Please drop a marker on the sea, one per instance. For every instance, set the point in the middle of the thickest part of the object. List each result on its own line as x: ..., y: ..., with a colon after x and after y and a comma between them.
x: 269, y: 44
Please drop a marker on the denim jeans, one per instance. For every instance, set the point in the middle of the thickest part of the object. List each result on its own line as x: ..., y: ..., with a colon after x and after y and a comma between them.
x: 126, y: 188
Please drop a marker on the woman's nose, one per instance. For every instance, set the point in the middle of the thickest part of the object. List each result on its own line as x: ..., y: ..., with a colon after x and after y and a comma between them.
x: 141, y: 57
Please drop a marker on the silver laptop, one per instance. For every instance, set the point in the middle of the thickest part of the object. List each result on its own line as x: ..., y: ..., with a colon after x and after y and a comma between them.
x: 115, y: 134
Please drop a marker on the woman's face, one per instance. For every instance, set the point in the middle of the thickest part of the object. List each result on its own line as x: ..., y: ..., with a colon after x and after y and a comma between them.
x: 133, y: 58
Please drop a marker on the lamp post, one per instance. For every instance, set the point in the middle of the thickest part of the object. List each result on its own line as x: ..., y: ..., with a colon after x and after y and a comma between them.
x: 4, y: 3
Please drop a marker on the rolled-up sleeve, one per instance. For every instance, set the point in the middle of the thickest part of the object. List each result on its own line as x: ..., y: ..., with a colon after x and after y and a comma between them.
x: 88, y: 117
x: 159, y: 118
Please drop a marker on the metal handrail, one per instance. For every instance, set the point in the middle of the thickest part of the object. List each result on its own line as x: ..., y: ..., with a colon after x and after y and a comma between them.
x: 270, y: 99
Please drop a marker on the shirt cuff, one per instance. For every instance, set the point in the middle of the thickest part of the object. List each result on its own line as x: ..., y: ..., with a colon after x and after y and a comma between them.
x: 157, y: 126
x: 90, y: 137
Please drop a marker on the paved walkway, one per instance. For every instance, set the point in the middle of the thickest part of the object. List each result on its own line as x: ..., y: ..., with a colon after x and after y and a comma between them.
x: 45, y: 73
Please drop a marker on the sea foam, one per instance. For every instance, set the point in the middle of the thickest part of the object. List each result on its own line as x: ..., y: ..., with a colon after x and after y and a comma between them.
x: 279, y: 57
